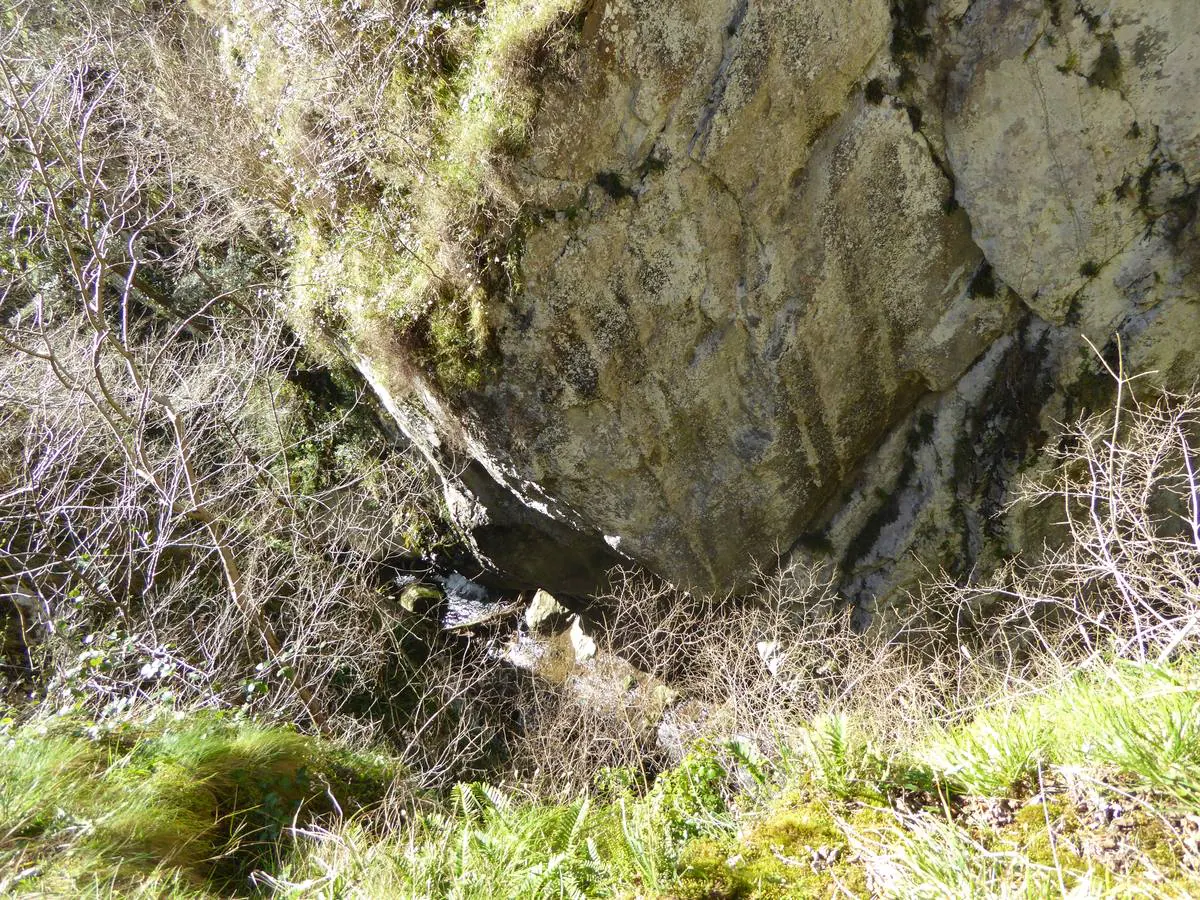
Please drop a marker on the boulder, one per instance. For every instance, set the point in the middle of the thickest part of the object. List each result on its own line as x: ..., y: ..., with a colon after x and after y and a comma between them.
x: 744, y: 274
x: 814, y: 277
x: 581, y: 642
x: 544, y: 612
x: 1070, y: 132
x: 421, y: 599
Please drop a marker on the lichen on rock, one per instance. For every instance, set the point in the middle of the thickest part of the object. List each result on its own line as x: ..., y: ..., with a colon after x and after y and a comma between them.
x: 700, y: 362
x: 721, y: 279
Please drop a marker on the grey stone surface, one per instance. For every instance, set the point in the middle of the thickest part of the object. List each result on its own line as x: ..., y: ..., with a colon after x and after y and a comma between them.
x: 804, y: 275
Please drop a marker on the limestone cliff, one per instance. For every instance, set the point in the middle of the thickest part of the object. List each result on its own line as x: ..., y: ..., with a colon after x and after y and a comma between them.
x: 812, y: 277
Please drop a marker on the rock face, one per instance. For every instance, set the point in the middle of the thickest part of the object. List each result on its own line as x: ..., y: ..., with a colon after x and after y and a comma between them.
x: 810, y: 275
x: 1067, y: 139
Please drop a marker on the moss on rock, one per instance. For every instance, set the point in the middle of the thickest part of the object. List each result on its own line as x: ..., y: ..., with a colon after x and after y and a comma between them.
x: 420, y: 229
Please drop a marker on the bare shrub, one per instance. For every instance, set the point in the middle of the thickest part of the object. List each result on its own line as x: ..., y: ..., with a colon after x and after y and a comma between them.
x: 566, y: 739
x: 123, y: 597
x: 1125, y: 577
x: 92, y: 538
x: 756, y: 668
x: 173, y: 524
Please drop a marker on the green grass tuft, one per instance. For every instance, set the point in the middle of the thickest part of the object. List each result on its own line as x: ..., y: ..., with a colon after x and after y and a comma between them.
x: 196, y: 803
x: 1010, y: 803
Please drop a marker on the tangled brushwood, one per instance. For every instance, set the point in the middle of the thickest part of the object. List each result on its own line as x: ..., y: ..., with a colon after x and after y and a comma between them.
x: 194, y: 511
x: 1121, y: 570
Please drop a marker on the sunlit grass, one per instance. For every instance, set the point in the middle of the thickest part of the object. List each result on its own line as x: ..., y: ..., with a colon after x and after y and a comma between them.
x: 194, y: 805
x: 200, y: 806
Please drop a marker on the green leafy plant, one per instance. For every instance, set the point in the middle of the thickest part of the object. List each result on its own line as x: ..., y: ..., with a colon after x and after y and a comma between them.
x: 691, y: 799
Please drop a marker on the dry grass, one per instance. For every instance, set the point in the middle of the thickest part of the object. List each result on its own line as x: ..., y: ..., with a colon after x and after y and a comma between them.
x: 755, y: 669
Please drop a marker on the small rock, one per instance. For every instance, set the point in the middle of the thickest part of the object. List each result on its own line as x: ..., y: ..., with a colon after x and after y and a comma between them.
x: 462, y: 588
x: 822, y: 857
x: 421, y: 598
x: 771, y: 654
x: 1109, y: 811
x: 544, y: 613
x: 585, y: 647
x: 995, y: 813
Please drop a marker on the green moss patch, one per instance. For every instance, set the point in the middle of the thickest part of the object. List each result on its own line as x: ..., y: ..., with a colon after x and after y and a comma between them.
x: 195, y: 801
x: 430, y: 239
x: 796, y: 850
x: 1106, y: 70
